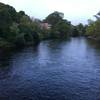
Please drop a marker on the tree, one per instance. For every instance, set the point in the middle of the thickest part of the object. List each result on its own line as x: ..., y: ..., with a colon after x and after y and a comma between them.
x: 7, y: 17
x: 14, y: 32
x: 30, y: 29
x: 60, y: 28
x: 81, y: 29
x: 75, y: 32
x: 54, y: 18
x: 93, y: 28
x: 17, y: 27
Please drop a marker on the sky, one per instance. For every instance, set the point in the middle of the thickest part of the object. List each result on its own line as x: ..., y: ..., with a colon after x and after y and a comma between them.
x: 76, y: 11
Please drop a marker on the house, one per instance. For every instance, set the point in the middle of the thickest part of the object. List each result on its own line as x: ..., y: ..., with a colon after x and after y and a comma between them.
x: 45, y: 26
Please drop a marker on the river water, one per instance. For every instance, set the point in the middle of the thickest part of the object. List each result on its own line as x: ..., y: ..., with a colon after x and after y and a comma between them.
x: 54, y: 70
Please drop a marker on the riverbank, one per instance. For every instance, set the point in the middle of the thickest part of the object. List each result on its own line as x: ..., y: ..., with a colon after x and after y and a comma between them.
x: 94, y: 38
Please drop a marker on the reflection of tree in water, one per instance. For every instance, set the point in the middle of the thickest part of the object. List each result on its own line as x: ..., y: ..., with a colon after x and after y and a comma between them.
x: 5, y: 64
x: 94, y: 44
x: 5, y: 55
x: 4, y: 59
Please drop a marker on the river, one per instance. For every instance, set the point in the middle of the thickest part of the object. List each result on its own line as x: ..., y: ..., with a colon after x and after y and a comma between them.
x: 54, y: 70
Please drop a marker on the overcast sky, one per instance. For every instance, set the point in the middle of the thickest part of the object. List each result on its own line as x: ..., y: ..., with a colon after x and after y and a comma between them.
x: 75, y: 11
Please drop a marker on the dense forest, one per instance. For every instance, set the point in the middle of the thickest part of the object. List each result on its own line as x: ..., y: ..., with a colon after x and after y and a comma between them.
x: 19, y: 29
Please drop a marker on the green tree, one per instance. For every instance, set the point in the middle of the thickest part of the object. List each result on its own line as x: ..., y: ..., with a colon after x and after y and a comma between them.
x: 75, y: 32
x: 81, y: 29
x: 93, y: 29
x: 14, y: 32
x: 30, y: 29
x: 54, y: 18
x: 17, y: 27
x: 60, y: 28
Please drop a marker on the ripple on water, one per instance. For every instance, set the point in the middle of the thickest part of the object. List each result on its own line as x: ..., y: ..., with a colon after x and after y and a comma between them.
x: 65, y: 70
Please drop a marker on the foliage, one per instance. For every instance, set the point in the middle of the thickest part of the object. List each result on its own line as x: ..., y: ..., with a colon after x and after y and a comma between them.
x: 75, y: 32
x: 60, y: 28
x: 81, y: 29
x: 54, y: 18
x: 17, y: 27
x: 93, y: 29
x: 78, y: 30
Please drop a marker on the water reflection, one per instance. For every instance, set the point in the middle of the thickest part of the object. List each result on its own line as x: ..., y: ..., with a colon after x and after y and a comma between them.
x: 54, y: 70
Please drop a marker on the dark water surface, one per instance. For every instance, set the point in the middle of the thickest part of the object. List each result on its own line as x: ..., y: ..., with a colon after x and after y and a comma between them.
x: 55, y: 70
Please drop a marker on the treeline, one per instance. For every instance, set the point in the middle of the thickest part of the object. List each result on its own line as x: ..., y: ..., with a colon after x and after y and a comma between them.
x: 93, y: 28
x: 18, y: 29
x: 62, y: 28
